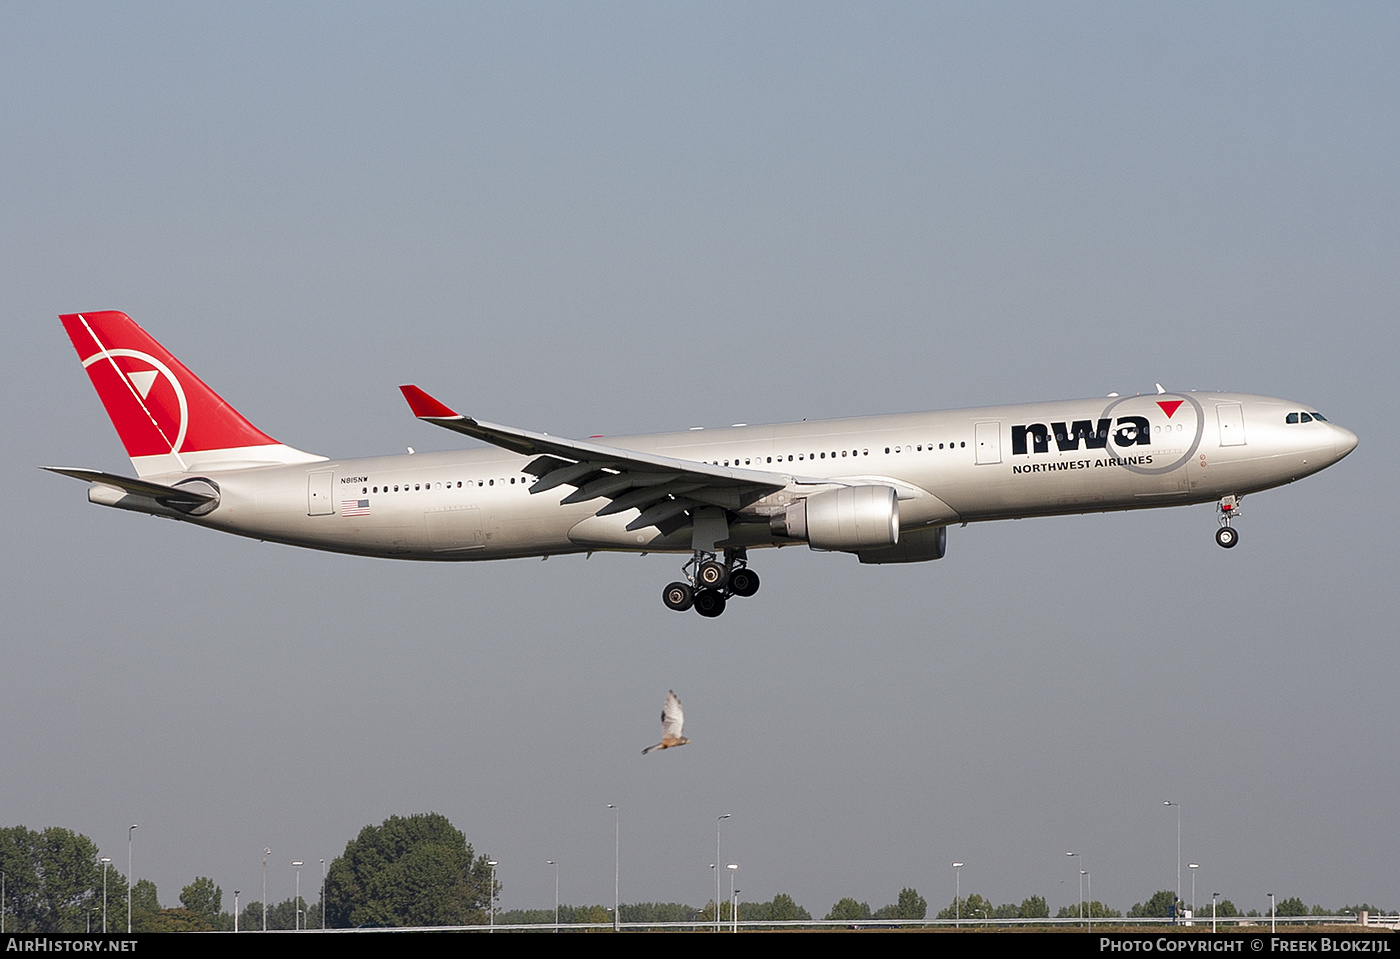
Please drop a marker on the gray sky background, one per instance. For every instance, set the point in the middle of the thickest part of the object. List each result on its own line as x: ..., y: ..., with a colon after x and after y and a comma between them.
x: 614, y: 218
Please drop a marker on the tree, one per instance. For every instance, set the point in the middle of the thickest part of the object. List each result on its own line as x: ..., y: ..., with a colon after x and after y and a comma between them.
x: 1292, y: 906
x: 1034, y: 908
x: 280, y: 915
x: 707, y: 914
x: 1094, y: 910
x: 53, y: 881
x: 251, y: 918
x: 652, y: 912
x: 414, y: 871
x: 1364, y: 907
x: 593, y: 914
x: 1159, y: 905
x: 972, y: 907
x: 781, y: 908
x: 848, y: 910
x: 145, y: 905
x: 204, y: 899
x: 911, y: 905
x: 177, y: 920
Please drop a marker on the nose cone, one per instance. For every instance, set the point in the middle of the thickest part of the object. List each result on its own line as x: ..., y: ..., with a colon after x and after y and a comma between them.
x: 1343, y: 440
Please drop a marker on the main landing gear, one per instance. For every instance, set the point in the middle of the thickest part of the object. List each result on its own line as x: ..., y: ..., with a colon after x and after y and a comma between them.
x: 711, y: 582
x: 1226, y: 535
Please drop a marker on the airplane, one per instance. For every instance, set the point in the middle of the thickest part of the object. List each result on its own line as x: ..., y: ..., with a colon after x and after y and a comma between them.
x: 882, y: 488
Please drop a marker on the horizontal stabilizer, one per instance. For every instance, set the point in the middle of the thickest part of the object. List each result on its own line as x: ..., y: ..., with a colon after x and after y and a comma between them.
x: 173, y: 496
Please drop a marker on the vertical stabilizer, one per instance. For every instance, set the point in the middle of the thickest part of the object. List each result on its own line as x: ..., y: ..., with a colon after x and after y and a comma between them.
x: 167, y: 418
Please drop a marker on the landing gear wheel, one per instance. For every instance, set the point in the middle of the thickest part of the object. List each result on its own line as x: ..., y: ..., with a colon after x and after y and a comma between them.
x: 678, y: 596
x: 709, y: 603
x: 711, y: 575
x: 1227, y: 537
x: 743, y: 582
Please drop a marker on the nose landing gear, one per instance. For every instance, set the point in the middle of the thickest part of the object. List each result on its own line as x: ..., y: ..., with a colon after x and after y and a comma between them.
x: 710, y: 582
x: 1227, y: 536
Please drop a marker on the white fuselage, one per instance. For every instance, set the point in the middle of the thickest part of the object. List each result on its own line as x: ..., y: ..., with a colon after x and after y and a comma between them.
x: 950, y: 467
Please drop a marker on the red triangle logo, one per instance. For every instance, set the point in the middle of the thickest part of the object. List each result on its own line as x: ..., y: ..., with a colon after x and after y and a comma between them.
x: 1169, y: 406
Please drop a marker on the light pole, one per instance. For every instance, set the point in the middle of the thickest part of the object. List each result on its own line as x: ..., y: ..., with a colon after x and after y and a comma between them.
x: 1273, y: 916
x: 1168, y: 802
x: 617, y: 859
x: 1213, y: 896
x: 267, y: 851
x: 297, y: 864
x: 106, y: 860
x: 493, y: 864
x: 733, y: 867
x: 323, y: 895
x: 957, y: 895
x: 1081, y: 882
x: 128, y: 876
x: 1089, y: 914
x: 1193, y: 866
x: 235, y: 909
x: 551, y: 862
x: 717, y: 862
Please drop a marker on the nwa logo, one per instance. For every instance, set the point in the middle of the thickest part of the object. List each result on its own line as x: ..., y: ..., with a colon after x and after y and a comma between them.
x: 1131, y: 431
x: 1173, y: 442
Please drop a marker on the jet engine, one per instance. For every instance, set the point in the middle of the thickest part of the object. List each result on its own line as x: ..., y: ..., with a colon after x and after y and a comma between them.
x: 914, y: 546
x: 848, y: 519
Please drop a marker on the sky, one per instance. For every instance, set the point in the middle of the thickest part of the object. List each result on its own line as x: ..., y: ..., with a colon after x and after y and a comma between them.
x: 617, y: 218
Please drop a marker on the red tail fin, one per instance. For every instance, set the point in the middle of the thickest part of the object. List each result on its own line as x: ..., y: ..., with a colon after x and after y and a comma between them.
x: 167, y: 418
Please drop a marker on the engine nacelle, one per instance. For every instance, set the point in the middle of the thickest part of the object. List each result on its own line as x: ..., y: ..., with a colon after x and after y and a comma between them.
x: 914, y: 546
x: 848, y: 519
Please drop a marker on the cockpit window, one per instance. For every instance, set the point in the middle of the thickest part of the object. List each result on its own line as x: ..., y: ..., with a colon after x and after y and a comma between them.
x: 1319, y: 416
x: 1307, y: 418
x: 1292, y: 417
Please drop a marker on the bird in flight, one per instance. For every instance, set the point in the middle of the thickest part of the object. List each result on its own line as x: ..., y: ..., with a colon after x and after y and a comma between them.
x: 672, y: 719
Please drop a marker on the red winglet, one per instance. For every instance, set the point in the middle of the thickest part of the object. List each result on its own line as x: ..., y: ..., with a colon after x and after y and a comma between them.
x: 425, y: 406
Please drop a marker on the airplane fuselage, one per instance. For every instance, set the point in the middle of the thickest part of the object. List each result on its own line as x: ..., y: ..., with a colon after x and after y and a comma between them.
x: 947, y: 468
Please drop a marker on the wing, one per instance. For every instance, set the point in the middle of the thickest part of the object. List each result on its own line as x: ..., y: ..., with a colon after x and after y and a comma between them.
x: 662, y: 488
x: 672, y: 719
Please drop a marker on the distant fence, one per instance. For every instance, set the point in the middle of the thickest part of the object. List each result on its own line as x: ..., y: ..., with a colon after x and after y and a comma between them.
x: 1196, y: 924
